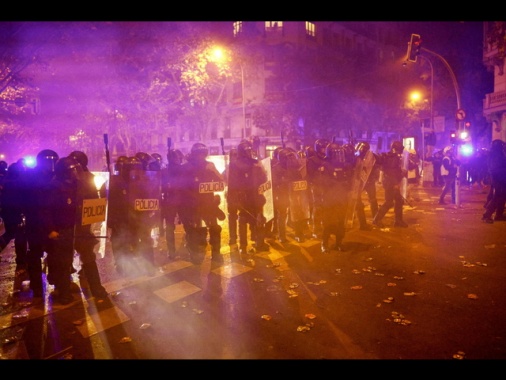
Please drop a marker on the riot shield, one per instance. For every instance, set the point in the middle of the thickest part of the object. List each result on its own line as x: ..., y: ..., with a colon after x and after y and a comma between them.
x: 361, y: 174
x: 299, y: 195
x: 266, y: 189
x: 221, y: 163
x: 99, y: 223
x: 144, y: 197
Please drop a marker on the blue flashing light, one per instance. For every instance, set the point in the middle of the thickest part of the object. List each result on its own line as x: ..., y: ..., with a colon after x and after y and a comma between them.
x: 30, y: 161
x: 466, y: 150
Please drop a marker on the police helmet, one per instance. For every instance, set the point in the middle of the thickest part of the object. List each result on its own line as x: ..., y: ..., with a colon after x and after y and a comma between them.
x: 46, y: 159
x: 233, y: 154
x: 275, y: 154
x: 448, y: 150
x: 310, y: 152
x: 335, y: 153
x: 134, y: 163
x: 175, y: 157
x: 145, y: 159
x: 362, y: 148
x: 81, y: 157
x: 67, y: 168
x: 320, y: 147
x: 245, y: 149
x: 158, y: 157
x: 283, y: 157
x: 120, y: 164
x: 198, y: 152
x: 397, y: 147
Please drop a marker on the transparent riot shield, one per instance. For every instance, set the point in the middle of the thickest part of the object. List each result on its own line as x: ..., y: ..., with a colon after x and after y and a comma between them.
x: 363, y: 169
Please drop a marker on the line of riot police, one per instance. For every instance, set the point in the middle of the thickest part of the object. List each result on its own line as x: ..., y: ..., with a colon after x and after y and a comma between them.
x: 44, y: 207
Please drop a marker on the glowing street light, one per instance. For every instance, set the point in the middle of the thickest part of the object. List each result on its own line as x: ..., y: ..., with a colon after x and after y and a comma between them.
x: 220, y: 57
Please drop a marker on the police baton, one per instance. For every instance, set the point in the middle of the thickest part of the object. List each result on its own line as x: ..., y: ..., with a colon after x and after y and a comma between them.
x: 169, y: 143
x: 222, y: 146
x: 107, y: 157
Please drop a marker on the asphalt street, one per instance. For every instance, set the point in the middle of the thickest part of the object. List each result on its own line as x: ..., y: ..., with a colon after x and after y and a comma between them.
x: 433, y: 290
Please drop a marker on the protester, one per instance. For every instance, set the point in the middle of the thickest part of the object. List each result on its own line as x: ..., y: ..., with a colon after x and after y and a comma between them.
x: 449, y: 169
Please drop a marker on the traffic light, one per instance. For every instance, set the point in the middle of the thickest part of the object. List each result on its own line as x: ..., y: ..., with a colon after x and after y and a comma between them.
x: 453, y: 137
x: 414, y: 47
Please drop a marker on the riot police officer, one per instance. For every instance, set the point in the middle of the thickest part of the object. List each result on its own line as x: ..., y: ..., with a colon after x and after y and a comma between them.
x: 118, y: 213
x: 60, y: 223
x: 363, y: 149
x: 246, y: 178
x: 12, y: 201
x: 144, y: 206
x: 337, y: 179
x: 316, y: 177
x: 291, y: 194
x: 199, y: 206
x: 393, y: 174
x: 232, y: 201
x: 35, y: 193
x: 85, y: 239
x: 170, y: 198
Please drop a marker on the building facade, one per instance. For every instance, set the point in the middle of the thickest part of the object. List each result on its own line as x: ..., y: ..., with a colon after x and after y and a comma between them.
x: 494, y: 53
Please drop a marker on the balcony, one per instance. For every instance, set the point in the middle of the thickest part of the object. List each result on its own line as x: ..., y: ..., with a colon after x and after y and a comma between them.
x: 494, y: 102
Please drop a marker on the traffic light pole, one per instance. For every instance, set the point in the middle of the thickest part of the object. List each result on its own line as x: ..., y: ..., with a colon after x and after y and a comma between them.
x: 458, y: 122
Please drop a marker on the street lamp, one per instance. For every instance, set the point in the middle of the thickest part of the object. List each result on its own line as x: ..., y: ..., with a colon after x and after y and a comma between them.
x: 243, y: 102
x: 459, y: 109
x: 218, y: 56
x: 457, y: 95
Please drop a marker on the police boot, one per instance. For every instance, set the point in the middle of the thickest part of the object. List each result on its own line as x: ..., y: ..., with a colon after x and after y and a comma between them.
x: 34, y: 269
x: 90, y: 271
x: 215, y: 242
x: 171, y: 241
x: 282, y: 231
x: 243, y: 236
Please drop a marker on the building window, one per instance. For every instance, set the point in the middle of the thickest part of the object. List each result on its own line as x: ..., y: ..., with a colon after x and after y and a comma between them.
x: 237, y: 91
x: 226, y: 132
x: 310, y: 29
x: 273, y: 26
x: 237, y: 28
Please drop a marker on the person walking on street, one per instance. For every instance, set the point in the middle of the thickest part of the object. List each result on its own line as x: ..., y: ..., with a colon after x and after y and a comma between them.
x: 437, y: 160
x: 497, y: 168
x: 449, y: 168
x: 393, y: 174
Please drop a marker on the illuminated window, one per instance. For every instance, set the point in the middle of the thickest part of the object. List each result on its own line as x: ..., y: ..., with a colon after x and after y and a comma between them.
x: 237, y: 28
x: 273, y: 26
x: 310, y: 29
